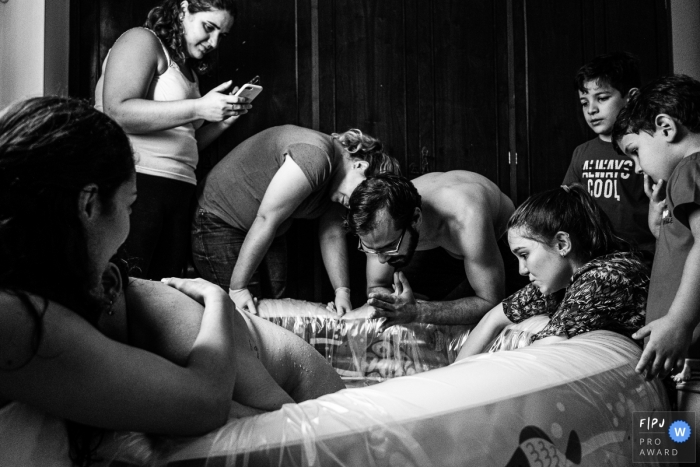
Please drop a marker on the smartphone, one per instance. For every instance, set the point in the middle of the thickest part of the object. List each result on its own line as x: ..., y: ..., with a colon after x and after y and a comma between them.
x: 249, y: 91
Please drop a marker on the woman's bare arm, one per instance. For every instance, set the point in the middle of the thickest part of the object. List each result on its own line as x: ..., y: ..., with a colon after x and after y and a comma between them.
x: 488, y: 328
x: 135, y: 60
x: 287, y: 190
x: 81, y: 375
x: 166, y: 322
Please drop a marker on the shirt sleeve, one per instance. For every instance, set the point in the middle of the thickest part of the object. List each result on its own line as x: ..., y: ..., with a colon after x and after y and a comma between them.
x: 528, y: 302
x: 573, y: 173
x: 606, y: 297
x: 314, y: 161
x: 685, y: 190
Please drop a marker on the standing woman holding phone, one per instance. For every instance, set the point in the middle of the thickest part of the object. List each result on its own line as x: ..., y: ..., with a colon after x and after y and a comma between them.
x: 149, y: 85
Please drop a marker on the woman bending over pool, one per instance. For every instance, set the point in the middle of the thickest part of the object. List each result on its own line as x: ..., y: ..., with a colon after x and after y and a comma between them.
x: 582, y: 275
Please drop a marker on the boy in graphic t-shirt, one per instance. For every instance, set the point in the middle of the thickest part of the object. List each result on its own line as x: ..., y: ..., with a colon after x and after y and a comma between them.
x: 660, y: 130
x: 604, y: 85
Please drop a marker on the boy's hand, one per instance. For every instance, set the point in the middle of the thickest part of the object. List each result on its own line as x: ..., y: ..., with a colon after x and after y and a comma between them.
x: 667, y: 347
x: 656, y: 192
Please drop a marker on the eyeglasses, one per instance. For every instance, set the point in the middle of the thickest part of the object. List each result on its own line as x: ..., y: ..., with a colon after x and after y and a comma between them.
x: 392, y: 252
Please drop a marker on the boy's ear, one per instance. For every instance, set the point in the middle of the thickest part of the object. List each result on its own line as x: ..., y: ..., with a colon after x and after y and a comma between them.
x: 667, y: 127
x: 631, y: 93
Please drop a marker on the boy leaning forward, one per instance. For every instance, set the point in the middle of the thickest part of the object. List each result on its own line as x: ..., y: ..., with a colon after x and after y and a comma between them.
x: 660, y: 130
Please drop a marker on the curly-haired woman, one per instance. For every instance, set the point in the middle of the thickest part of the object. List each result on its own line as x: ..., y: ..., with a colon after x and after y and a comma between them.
x: 149, y: 85
x: 251, y: 196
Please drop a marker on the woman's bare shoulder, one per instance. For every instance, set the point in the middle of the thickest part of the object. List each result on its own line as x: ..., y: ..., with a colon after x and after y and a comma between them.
x: 139, y: 46
x: 18, y: 326
x: 25, y: 319
x: 138, y: 36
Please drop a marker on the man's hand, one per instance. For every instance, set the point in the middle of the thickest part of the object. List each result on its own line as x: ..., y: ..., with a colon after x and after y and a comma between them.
x: 667, y: 347
x: 399, y: 307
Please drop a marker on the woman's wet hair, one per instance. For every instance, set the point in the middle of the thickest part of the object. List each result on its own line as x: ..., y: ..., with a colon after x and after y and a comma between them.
x: 165, y: 21
x: 51, y: 148
x: 367, y: 148
x: 569, y: 209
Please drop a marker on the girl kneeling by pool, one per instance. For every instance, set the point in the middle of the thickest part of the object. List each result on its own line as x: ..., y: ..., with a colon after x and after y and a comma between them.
x: 582, y: 275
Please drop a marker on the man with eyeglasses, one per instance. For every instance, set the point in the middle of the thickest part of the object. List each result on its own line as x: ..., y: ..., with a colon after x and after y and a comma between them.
x: 440, y: 232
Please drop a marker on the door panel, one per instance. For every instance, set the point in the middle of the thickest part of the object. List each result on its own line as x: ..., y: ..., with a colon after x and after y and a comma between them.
x: 436, y: 81
x: 561, y: 37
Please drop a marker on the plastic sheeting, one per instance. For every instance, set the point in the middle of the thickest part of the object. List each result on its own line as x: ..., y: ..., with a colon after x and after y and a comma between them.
x: 519, y: 335
x: 358, y: 350
x: 569, y: 402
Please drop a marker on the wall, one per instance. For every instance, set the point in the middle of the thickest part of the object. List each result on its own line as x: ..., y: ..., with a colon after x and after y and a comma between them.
x: 56, y: 46
x: 685, y: 26
x: 33, y: 48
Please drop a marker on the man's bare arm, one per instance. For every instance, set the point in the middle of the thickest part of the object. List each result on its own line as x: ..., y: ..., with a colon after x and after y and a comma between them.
x: 473, y: 236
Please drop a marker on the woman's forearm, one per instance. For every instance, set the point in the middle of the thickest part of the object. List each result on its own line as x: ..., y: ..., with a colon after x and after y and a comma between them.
x: 488, y: 328
x: 334, y: 251
x: 138, y: 116
x: 255, y: 245
x: 213, y: 354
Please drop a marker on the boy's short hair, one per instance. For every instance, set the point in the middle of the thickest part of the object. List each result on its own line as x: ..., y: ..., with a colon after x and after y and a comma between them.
x: 678, y: 96
x: 619, y: 70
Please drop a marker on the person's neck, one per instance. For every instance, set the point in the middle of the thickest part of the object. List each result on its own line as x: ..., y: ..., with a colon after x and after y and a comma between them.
x: 429, y: 228
x: 605, y: 138
x: 690, y: 144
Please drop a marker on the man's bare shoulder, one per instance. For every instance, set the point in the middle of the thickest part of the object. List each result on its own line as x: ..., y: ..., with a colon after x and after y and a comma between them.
x: 459, y: 194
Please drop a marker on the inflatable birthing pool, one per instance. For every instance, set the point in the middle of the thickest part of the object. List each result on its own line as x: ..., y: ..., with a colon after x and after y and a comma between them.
x: 569, y: 403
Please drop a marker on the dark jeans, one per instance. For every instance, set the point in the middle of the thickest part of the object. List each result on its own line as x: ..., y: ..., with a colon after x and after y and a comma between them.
x: 159, y: 240
x: 215, y: 249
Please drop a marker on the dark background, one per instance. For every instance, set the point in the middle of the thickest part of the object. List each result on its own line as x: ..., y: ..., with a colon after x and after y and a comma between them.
x: 479, y: 85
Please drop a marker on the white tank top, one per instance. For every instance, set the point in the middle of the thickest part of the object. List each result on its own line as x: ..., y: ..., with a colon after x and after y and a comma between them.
x: 31, y: 438
x: 170, y: 153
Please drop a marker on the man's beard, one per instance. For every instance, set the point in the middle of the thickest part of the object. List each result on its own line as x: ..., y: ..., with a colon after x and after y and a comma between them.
x: 402, y: 261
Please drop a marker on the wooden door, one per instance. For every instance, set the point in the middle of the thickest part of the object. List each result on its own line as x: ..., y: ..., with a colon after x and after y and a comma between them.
x: 426, y: 77
x: 479, y: 85
x: 554, y: 39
